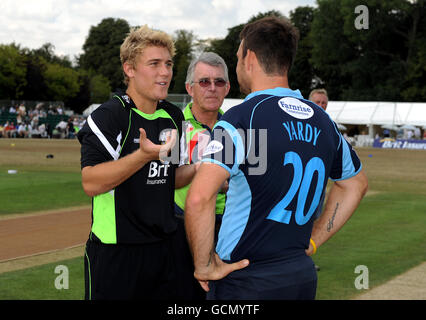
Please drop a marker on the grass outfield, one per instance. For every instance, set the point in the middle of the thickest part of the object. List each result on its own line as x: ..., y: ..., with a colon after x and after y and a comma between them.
x: 386, y: 233
x: 40, y: 183
x: 38, y: 283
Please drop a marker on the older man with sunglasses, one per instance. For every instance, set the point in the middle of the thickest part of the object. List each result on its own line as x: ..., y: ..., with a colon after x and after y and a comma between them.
x: 207, y: 83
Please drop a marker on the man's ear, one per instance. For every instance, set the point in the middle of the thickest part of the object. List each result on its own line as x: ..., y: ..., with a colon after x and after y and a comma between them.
x: 228, y: 87
x: 128, y: 69
x: 188, y: 88
x: 250, y: 59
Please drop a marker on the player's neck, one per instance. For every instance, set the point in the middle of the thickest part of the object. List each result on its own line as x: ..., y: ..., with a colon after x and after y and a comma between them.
x: 269, y: 82
x: 143, y: 104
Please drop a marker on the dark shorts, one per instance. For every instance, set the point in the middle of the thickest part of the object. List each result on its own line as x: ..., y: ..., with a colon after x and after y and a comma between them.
x: 126, y: 272
x: 188, y: 287
x: 294, y: 279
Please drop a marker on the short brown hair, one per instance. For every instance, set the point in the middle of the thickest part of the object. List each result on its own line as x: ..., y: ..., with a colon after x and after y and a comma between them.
x: 140, y: 38
x: 274, y: 41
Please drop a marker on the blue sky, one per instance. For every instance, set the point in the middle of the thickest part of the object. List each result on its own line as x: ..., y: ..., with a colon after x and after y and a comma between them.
x: 66, y: 23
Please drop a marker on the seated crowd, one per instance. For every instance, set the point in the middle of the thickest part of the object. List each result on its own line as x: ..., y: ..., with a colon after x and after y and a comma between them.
x: 20, y: 122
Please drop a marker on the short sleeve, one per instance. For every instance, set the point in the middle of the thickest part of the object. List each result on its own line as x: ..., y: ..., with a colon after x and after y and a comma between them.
x: 347, y: 163
x: 226, y: 147
x: 100, y: 138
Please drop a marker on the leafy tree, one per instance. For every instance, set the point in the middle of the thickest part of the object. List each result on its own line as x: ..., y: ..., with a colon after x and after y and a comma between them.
x: 101, y: 50
x: 47, y: 51
x: 35, y: 87
x: 331, y: 49
x: 302, y: 74
x: 184, y: 41
x: 227, y: 48
x: 382, y: 62
x: 37, y: 61
x: 414, y: 88
x: 81, y: 100
x: 62, y: 82
x: 378, y: 64
x: 100, y: 89
x: 12, y: 72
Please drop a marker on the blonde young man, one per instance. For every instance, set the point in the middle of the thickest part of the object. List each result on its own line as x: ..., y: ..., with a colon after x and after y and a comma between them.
x: 128, y: 254
x: 207, y: 83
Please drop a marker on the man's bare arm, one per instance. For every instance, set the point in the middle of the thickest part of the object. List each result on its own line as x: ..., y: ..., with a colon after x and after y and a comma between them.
x: 343, y: 199
x: 200, y: 221
x: 185, y: 174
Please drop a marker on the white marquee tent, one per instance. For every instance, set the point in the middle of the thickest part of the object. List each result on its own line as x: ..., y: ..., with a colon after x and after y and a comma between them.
x: 359, y: 112
x: 90, y: 109
x: 378, y: 113
x: 369, y: 113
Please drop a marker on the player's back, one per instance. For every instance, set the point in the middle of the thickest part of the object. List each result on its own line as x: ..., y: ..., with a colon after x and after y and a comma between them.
x: 291, y: 147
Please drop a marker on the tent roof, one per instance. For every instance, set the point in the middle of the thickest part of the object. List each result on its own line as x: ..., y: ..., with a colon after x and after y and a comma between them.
x: 90, y: 109
x: 379, y: 113
x: 357, y: 112
x: 368, y: 112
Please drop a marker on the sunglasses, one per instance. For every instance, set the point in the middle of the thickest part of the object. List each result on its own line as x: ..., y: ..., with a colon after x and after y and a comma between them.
x: 205, y: 83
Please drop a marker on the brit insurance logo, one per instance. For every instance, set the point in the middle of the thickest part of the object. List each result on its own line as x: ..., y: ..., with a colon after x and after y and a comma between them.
x: 296, y: 108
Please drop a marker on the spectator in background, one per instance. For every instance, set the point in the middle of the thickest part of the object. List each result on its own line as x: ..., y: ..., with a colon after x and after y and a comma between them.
x: 34, y: 112
x: 42, y: 113
x: 207, y: 82
x: 70, y: 131
x: 22, y: 110
x: 10, y: 130
x: 12, y: 109
x: 51, y: 110
x: 19, y: 119
x: 24, y: 130
x: 386, y: 133
x: 34, y: 121
x: 319, y: 97
x: 41, y: 131
x: 417, y: 133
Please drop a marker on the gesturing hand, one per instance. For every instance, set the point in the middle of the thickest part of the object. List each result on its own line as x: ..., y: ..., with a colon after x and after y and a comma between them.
x: 151, y: 151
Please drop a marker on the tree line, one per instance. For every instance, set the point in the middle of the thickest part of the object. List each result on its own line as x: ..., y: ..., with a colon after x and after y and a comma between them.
x: 385, y: 60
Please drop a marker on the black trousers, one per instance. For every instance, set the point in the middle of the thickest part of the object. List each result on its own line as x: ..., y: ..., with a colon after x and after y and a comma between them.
x: 188, y: 287
x: 127, y: 272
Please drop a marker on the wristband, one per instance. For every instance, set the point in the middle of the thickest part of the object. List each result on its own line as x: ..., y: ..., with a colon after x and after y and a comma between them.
x: 313, y: 245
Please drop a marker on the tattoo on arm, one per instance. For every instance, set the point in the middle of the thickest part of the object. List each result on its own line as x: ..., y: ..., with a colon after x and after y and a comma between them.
x: 331, y: 221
